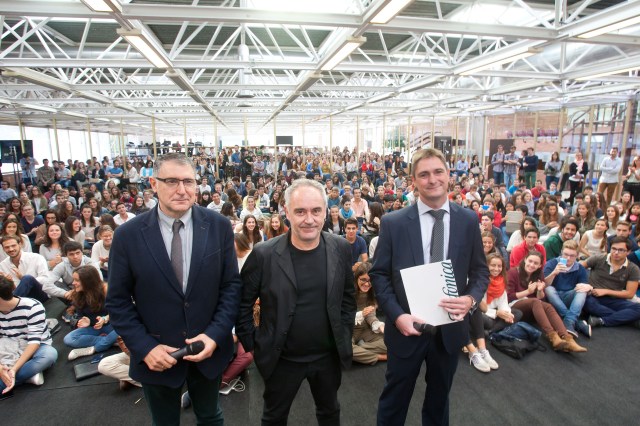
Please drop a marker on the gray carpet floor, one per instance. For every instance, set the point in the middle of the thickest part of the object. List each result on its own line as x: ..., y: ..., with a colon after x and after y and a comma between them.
x: 600, y: 387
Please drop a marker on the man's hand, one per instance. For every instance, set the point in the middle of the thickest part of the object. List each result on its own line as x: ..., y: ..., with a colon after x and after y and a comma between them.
x: 17, y: 272
x: 159, y: 359
x: 583, y: 288
x: 404, y: 323
x: 599, y: 292
x: 8, y: 377
x: 456, y: 306
x: 209, y: 347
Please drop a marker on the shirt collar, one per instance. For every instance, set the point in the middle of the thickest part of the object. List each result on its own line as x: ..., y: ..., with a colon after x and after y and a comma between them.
x: 168, y: 221
x: 423, y: 208
x: 624, y: 265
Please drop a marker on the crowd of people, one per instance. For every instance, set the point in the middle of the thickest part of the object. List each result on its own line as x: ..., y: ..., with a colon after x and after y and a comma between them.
x: 571, y: 265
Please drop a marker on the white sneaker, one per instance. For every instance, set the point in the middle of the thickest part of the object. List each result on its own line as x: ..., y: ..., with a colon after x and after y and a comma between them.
x: 77, y: 353
x: 37, y: 380
x: 478, y: 362
x: 488, y: 359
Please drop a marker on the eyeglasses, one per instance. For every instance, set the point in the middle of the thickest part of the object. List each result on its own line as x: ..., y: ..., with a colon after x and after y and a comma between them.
x: 364, y: 280
x: 569, y: 256
x: 618, y: 250
x: 175, y: 182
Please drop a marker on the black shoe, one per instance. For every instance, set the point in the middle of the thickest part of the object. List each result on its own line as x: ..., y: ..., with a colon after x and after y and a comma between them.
x: 584, y: 328
x: 595, y: 321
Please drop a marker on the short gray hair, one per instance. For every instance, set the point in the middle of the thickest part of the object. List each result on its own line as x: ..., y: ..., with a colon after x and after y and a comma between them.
x: 300, y: 183
x: 175, y: 157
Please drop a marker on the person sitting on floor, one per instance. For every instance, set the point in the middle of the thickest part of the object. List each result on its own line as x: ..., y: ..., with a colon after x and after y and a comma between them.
x: 368, y: 332
x: 497, y: 314
x: 614, y: 282
x: 531, y: 236
x: 525, y: 290
x: 59, y: 281
x: 94, y: 333
x: 25, y: 342
x: 496, y: 298
x: 117, y: 367
x: 567, y: 288
x: 568, y: 229
x: 26, y: 270
x: 100, y: 250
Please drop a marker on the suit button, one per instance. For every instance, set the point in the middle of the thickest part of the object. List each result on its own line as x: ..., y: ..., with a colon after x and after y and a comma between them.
x: 278, y: 349
x: 184, y: 334
x: 186, y: 305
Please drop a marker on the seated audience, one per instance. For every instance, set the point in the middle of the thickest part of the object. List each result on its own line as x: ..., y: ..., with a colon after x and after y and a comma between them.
x: 594, y: 241
x: 553, y: 244
x: 94, y: 333
x: 525, y: 289
x: 368, y: 332
x: 530, y: 242
x: 26, y: 349
x: 100, y: 250
x: 117, y: 367
x: 497, y: 314
x: 614, y: 282
x: 26, y: 270
x: 54, y: 239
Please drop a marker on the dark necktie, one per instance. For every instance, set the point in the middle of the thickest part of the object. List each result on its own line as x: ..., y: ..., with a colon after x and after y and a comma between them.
x: 176, y: 251
x: 437, y: 236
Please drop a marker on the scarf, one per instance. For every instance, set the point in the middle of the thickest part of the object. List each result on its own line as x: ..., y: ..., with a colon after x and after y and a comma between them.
x: 344, y: 213
x: 496, y: 288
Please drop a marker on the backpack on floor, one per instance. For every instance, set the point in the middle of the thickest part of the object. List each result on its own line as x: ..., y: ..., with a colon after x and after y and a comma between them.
x: 517, y: 340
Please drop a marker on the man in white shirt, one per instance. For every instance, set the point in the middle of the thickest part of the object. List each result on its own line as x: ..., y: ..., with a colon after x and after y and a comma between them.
x: 26, y: 270
x: 216, y: 203
x: 204, y: 186
x: 262, y: 199
x: 123, y: 215
x: 610, y: 168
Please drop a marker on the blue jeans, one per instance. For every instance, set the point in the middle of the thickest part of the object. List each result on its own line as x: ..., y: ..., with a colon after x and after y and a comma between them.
x: 498, y: 177
x: 551, y: 179
x: 612, y: 310
x: 85, y: 337
x: 44, y: 358
x: 568, y: 303
x: 30, y: 287
x: 509, y: 179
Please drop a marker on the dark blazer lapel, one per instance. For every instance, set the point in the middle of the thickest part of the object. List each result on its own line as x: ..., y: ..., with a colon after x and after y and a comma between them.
x: 200, y: 235
x: 152, y: 237
x: 415, y: 234
x: 284, y: 259
x: 331, y: 249
x: 455, y: 232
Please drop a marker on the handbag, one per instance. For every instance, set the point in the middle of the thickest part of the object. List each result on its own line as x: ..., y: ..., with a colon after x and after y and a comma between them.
x: 475, y: 170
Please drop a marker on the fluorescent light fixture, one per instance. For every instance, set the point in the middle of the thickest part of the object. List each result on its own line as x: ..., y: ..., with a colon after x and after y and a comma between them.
x: 418, y: 84
x: 529, y: 101
x: 124, y: 107
x: 75, y: 114
x: 606, y: 73
x: 103, y: 5
x: 353, y: 106
x: 604, y: 90
x: 143, y: 45
x: 379, y: 97
x: 497, y: 59
x: 483, y: 108
x: 308, y: 82
x: 94, y: 97
x: 389, y: 11
x: 612, y: 27
x: 181, y: 80
x: 347, y: 48
x: 38, y: 79
x: 4, y: 101
x: 445, y: 113
x: 38, y: 107
x: 103, y: 119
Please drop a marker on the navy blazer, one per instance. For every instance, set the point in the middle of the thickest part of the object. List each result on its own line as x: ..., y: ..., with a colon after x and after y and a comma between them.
x: 268, y: 274
x: 400, y: 247
x: 147, y: 305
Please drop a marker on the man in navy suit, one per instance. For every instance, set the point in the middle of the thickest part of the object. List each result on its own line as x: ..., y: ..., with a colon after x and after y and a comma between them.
x: 173, y: 280
x: 405, y: 241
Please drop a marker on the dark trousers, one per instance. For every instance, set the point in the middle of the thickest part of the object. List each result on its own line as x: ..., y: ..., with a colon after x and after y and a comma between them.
x: 164, y: 402
x: 30, y: 287
x: 613, y: 311
x: 281, y: 387
x: 401, y: 380
x: 492, y: 325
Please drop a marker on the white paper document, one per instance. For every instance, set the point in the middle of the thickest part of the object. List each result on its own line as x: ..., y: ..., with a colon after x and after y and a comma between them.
x: 425, y: 286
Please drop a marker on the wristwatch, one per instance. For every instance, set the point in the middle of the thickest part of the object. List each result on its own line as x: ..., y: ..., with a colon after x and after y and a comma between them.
x: 474, y: 304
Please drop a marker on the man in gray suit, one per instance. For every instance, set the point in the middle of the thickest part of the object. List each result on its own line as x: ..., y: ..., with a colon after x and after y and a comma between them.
x: 307, y: 308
